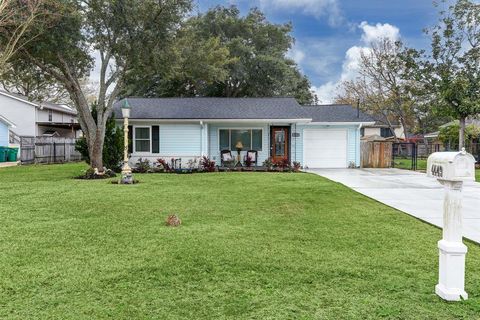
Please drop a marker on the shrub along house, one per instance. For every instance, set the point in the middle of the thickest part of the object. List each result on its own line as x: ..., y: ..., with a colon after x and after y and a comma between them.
x: 325, y: 136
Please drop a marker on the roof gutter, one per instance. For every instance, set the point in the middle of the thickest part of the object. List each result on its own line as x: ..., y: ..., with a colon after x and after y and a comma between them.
x: 306, y: 120
x: 357, y: 123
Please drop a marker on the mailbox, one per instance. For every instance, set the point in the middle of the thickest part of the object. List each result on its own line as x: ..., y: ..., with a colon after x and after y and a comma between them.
x: 453, y: 166
x: 452, y: 169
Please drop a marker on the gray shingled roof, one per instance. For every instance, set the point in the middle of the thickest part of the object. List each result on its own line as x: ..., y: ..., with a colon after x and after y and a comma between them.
x: 336, y: 113
x: 213, y: 108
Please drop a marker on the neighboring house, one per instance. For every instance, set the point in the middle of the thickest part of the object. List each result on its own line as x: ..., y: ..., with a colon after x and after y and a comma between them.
x: 433, y: 136
x: 472, y: 144
x: 381, y: 130
x: 34, y: 118
x: 188, y: 128
x: 5, y: 126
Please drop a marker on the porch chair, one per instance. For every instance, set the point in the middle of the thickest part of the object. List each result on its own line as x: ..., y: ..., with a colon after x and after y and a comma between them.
x: 227, y: 158
x: 253, y: 154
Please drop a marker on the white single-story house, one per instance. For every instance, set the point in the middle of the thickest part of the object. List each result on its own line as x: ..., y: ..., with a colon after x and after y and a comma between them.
x: 5, y: 126
x: 326, y: 136
x: 33, y: 118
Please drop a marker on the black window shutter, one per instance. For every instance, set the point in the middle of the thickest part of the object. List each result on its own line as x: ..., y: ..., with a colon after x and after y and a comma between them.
x: 155, y: 139
x: 130, y: 139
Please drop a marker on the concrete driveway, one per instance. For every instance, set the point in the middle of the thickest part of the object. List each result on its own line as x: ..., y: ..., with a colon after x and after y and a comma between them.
x: 410, y: 192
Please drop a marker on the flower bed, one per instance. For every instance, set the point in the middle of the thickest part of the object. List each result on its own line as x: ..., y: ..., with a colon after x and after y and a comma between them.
x: 207, y: 165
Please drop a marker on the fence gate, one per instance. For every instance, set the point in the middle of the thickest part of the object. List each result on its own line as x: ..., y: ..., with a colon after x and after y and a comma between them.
x: 376, y: 154
x: 27, y: 149
x: 55, y: 150
x: 48, y: 150
x: 404, y: 155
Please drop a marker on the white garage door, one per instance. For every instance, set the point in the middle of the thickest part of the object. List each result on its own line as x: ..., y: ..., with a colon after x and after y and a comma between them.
x: 325, y: 148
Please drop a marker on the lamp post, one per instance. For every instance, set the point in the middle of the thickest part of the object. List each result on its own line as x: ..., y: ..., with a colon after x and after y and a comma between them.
x: 127, y: 177
x: 239, y: 147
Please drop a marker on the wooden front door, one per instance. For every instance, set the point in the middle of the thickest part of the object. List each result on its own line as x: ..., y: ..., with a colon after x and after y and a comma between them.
x: 279, y: 144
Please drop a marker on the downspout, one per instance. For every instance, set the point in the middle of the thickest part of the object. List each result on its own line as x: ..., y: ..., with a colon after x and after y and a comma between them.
x: 357, y: 138
x: 202, y: 138
x: 295, y: 142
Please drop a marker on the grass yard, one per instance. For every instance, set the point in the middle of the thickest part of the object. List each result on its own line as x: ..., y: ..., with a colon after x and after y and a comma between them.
x: 421, y: 166
x: 406, y: 164
x: 252, y: 246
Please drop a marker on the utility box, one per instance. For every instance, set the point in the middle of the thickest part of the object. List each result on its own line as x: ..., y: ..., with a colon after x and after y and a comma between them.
x: 453, y: 166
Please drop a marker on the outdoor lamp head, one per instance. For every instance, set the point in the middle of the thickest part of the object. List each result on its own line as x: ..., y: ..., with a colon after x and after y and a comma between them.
x: 126, y: 109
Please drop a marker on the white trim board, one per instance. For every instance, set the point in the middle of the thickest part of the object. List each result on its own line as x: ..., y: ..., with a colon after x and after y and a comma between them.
x: 7, y: 122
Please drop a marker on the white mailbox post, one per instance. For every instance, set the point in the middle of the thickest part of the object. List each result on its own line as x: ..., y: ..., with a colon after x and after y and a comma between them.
x: 452, y: 169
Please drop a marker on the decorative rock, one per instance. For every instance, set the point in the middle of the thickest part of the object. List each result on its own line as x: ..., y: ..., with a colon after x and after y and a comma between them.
x: 173, y: 221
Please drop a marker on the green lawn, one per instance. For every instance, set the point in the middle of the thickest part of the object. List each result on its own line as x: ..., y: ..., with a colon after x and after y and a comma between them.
x: 421, y: 165
x: 401, y: 163
x: 252, y: 246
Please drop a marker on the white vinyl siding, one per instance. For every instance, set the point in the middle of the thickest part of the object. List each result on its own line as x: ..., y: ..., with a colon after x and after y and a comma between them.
x: 180, y: 140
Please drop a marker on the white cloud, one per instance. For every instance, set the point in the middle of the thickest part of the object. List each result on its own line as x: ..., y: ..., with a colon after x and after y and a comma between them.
x: 325, y: 92
x: 371, y: 33
x: 296, y: 54
x: 351, y: 63
x: 316, y: 8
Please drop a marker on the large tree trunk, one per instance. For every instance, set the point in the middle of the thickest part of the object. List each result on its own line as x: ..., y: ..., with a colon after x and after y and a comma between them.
x: 95, y: 150
x: 461, y: 133
x: 94, y: 131
x: 405, y: 128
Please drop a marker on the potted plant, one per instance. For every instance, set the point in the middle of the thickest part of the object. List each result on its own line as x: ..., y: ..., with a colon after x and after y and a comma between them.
x: 207, y: 165
x: 268, y: 164
x: 296, y: 166
x: 163, y: 166
x: 248, y: 163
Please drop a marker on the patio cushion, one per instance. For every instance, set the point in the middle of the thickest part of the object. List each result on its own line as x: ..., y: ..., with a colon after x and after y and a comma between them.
x: 227, y: 157
x: 252, y: 156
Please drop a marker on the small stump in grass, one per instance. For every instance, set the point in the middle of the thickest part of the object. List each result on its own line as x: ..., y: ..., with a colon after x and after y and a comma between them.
x: 173, y: 221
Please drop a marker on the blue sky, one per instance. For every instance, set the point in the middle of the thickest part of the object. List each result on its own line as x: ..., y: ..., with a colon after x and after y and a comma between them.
x: 330, y: 33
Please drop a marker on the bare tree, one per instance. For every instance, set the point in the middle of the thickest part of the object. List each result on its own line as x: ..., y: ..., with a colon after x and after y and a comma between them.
x: 380, y: 85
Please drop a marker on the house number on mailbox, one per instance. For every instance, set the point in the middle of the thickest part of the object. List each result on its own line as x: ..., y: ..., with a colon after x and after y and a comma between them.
x: 437, y: 170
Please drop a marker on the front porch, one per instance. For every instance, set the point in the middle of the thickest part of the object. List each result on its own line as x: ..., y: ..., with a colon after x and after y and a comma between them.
x: 272, y: 141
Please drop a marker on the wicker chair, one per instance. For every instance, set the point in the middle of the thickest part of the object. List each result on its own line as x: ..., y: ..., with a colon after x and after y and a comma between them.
x: 226, y: 158
x: 253, y: 154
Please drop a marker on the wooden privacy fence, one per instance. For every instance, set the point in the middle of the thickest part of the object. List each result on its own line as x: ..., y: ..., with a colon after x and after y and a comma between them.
x: 48, y: 150
x: 376, y: 154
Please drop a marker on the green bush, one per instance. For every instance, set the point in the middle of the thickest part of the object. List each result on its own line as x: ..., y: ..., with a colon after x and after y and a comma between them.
x: 112, y: 147
x: 449, y: 135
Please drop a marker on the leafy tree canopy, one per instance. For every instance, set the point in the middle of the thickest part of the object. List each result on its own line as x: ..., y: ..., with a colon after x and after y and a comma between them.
x: 450, y: 71
x: 450, y: 134
x: 221, y: 53
x: 124, y: 33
